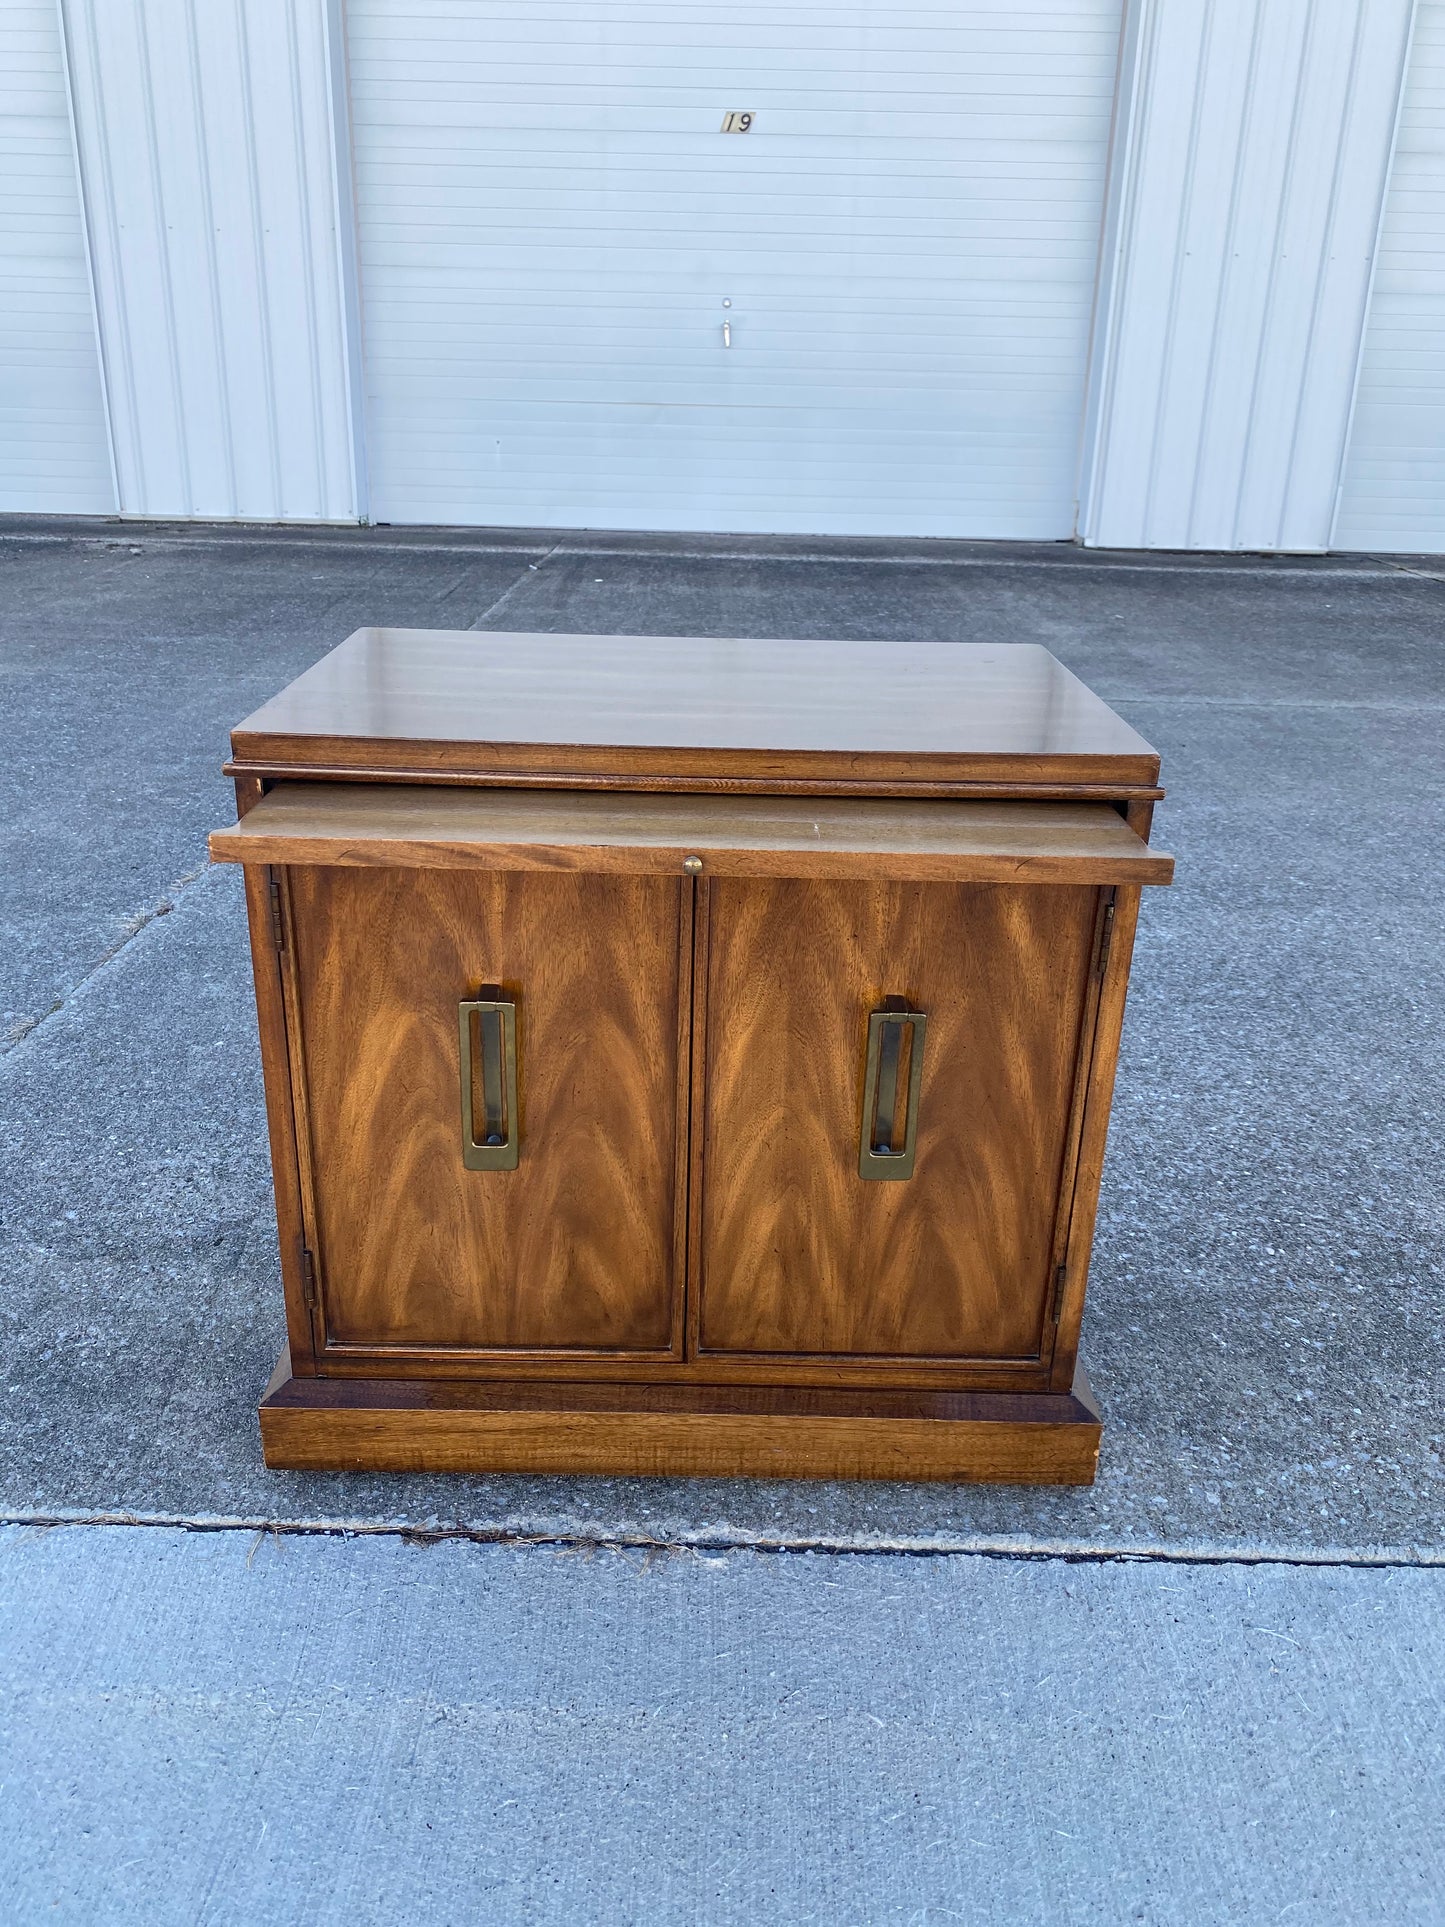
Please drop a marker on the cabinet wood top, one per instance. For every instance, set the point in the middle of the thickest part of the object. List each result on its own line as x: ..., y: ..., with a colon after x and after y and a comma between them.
x: 684, y: 709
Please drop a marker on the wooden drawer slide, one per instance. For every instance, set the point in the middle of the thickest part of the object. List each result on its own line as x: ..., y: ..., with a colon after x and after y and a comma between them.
x: 423, y: 827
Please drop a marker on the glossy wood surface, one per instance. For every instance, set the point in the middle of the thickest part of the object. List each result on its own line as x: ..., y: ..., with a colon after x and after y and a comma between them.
x: 302, y: 1328
x: 799, y: 1254
x: 1103, y: 1061
x: 678, y: 1431
x: 436, y: 701
x: 394, y: 825
x: 579, y: 1248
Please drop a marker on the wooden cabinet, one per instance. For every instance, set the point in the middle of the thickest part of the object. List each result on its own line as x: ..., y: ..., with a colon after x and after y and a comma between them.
x: 712, y: 1077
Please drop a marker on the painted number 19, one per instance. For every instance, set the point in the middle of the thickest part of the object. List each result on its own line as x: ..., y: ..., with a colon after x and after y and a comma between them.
x: 736, y: 123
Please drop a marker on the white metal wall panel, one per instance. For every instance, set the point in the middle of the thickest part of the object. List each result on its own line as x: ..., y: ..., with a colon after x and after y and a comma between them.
x: 54, y: 456
x: 1393, y: 495
x: 1250, y: 173
x: 207, y: 154
x: 550, y: 222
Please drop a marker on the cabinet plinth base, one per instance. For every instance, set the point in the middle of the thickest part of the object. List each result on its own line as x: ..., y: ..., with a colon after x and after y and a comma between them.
x: 678, y: 1431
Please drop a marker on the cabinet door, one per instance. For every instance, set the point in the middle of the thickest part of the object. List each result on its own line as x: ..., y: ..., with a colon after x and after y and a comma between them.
x: 800, y: 1253
x: 574, y: 1250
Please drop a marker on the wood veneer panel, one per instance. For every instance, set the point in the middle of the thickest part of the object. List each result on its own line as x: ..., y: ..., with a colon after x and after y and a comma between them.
x: 301, y: 1329
x: 1103, y: 1065
x: 358, y: 825
x: 577, y: 1247
x: 682, y: 707
x: 798, y: 1253
x: 657, y: 1431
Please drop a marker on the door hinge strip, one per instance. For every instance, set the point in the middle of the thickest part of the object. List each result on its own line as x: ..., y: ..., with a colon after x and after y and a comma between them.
x: 1056, y: 1303
x: 1106, y: 937
x: 308, y: 1279
x: 278, y: 921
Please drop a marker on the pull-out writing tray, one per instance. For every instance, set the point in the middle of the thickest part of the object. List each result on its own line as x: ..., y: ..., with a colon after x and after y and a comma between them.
x: 415, y: 827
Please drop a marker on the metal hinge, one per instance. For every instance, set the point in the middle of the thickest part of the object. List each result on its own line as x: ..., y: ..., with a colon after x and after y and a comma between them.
x: 278, y: 921
x: 1106, y: 937
x: 1056, y: 1303
x: 308, y: 1279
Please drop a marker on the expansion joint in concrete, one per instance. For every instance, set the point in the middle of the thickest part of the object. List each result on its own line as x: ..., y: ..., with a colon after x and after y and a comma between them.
x: 719, y: 1544
x: 130, y: 930
x: 530, y: 568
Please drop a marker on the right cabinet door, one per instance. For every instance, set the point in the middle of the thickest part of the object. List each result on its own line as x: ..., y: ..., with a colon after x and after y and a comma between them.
x: 800, y: 1253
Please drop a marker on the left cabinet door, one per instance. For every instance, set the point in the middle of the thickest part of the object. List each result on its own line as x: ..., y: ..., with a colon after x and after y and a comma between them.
x: 576, y: 1249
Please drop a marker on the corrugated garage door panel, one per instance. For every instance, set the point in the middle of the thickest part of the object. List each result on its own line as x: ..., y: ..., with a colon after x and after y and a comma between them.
x: 1393, y: 495
x: 54, y: 454
x: 551, y: 222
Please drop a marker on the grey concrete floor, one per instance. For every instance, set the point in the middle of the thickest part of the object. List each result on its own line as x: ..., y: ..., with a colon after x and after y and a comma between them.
x: 247, y: 1729
x: 224, y: 1728
x: 380, y: 1724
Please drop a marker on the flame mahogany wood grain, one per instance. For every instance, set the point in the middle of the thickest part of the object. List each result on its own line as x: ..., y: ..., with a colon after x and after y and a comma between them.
x: 299, y: 823
x: 580, y: 1246
x: 799, y: 1254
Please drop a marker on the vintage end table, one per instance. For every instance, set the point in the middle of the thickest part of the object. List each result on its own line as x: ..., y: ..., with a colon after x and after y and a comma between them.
x: 688, y: 1056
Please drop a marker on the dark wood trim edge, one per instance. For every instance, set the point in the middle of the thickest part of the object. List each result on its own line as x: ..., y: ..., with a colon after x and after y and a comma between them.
x: 1075, y: 790
x: 679, y: 1431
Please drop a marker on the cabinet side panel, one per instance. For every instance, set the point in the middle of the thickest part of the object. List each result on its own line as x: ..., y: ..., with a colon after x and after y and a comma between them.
x: 280, y: 1114
x: 1108, y: 1032
x: 575, y: 1249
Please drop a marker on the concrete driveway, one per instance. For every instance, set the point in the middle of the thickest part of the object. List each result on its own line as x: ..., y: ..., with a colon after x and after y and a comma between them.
x: 1263, y: 1334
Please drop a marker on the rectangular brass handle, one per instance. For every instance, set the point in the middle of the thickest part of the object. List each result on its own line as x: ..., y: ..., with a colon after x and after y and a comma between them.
x: 881, y: 1156
x: 495, y: 1147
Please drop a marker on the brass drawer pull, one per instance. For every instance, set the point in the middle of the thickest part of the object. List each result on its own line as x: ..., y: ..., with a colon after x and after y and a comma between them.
x: 496, y: 1023
x: 880, y: 1155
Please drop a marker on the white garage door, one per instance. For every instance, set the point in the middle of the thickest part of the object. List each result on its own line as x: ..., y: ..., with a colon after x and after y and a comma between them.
x: 1393, y: 493
x: 586, y: 305
x: 54, y: 454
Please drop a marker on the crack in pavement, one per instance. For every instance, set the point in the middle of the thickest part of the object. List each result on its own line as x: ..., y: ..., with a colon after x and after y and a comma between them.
x: 532, y: 568
x: 1071, y: 556
x: 1421, y: 575
x: 1385, y: 1558
x: 130, y: 930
